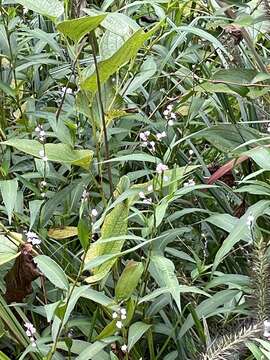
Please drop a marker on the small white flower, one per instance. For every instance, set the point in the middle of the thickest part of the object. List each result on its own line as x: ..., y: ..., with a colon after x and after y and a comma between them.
x: 123, y: 317
x: 170, y: 107
x: 268, y: 129
x: 85, y: 195
x: 42, y: 133
x: 141, y: 195
x: 119, y: 324
x: 190, y: 183
x: 94, y: 212
x: 161, y: 135
x: 171, y: 122
x: 147, y: 201
x: 43, y: 194
x: 150, y: 188
x: 43, y: 183
x: 38, y: 129
x: 161, y: 168
x: 124, y: 348
x: 144, y: 144
x: 250, y: 220
x: 144, y: 135
x: 115, y: 315
x: 152, y: 144
x: 191, y: 152
x: 123, y: 311
x: 66, y: 90
x: 25, y: 10
x: 166, y: 112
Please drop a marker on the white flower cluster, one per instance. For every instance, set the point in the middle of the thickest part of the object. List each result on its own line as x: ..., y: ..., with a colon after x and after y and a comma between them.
x: 146, y: 143
x: 30, y: 332
x: 40, y: 133
x: 66, y: 90
x: 32, y: 238
x: 170, y: 116
x: 190, y: 182
x: 85, y: 196
x: 120, y: 315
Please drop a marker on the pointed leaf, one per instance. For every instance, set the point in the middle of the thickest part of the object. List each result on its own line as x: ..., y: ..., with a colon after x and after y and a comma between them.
x: 8, y: 190
x: 52, y: 271
x: 60, y: 153
x: 135, y: 332
x: 128, y: 280
x: 75, y: 29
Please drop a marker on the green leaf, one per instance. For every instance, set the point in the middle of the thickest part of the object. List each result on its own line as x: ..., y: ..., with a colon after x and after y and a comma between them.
x: 208, y: 307
x: 163, y: 271
x: 226, y: 137
x: 84, y: 233
x: 52, y: 271
x: 7, y: 89
x: 34, y: 207
x: 109, y: 66
x: 75, y: 29
x: 115, y: 224
x: 8, y: 190
x: 95, y: 348
x: 128, y: 280
x: 61, y: 153
x: 8, y: 250
x: 135, y: 332
x: 239, y: 230
x: 50, y: 8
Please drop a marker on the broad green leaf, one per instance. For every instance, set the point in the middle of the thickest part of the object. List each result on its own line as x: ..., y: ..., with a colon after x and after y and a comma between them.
x: 75, y: 29
x: 61, y: 153
x: 115, y: 224
x: 261, y: 155
x: 208, y: 307
x: 163, y: 271
x: 52, y: 271
x: 180, y: 288
x: 7, y: 89
x: 148, y: 69
x: 226, y: 137
x: 63, y: 233
x: 128, y: 280
x: 8, y: 250
x: 239, y: 230
x: 135, y: 332
x: 51, y: 8
x: 109, y: 66
x: 8, y: 190
x: 84, y: 233
x: 95, y: 348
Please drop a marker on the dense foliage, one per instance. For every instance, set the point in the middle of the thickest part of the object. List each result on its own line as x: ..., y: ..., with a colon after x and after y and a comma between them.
x: 134, y: 214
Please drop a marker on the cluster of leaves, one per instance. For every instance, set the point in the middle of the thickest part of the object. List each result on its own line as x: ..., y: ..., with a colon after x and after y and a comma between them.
x: 134, y: 179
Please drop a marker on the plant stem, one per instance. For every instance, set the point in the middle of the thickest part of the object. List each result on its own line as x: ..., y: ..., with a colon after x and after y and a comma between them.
x: 99, y: 97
